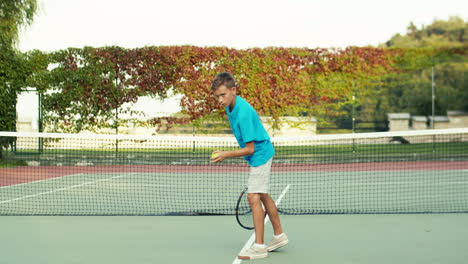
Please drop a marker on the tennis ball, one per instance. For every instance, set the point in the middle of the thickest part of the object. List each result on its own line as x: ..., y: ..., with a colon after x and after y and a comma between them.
x: 214, y: 155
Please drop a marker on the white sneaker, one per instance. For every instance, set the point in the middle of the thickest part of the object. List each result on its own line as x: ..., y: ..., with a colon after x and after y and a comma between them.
x: 253, y: 252
x: 276, y: 243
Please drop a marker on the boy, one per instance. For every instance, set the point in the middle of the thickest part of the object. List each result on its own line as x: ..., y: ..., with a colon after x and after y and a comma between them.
x: 258, y: 151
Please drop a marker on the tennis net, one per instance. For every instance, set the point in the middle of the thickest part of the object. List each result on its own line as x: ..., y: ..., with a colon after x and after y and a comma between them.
x: 89, y: 174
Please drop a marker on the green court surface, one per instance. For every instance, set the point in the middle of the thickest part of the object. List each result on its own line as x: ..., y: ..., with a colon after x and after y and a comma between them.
x: 361, y: 199
x: 321, y: 239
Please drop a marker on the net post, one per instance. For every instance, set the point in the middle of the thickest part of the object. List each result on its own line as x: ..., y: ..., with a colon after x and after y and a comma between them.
x: 433, y: 99
x: 39, y: 125
x: 353, y: 118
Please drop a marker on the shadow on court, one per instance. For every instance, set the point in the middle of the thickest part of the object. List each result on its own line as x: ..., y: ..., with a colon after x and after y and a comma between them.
x: 366, y: 239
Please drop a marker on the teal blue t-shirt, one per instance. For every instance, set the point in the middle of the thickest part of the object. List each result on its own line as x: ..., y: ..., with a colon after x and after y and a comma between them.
x: 246, y: 126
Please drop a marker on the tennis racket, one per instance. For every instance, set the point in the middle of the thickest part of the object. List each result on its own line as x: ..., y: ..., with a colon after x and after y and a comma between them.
x: 244, y: 212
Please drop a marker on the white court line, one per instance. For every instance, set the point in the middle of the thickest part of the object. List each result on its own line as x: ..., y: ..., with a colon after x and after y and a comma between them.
x: 252, y: 237
x: 61, y: 189
x: 38, y: 181
x: 76, y: 175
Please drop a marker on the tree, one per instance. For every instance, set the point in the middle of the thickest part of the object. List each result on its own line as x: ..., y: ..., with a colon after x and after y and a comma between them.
x: 441, y: 33
x: 445, y: 43
x: 14, y: 14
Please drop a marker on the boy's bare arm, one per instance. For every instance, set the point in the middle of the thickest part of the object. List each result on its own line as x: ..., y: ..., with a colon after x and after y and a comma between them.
x: 249, y: 149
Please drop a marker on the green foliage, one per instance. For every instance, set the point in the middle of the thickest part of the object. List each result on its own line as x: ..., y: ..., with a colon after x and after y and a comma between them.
x: 13, y: 15
x: 11, y: 164
x: 442, y: 45
x: 91, y: 88
x: 441, y: 33
x: 278, y: 81
x: 13, y: 73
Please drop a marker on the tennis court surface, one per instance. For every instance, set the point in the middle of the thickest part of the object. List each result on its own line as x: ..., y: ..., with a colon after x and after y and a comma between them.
x: 391, y: 177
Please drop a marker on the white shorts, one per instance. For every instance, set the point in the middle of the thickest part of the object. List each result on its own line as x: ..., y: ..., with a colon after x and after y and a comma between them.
x: 259, y: 178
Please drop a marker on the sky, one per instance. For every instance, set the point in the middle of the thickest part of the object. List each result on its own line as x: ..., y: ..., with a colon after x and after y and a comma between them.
x: 240, y: 24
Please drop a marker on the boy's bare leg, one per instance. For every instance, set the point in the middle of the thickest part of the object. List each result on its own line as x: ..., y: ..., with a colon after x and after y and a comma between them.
x: 272, y: 212
x: 258, y: 217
